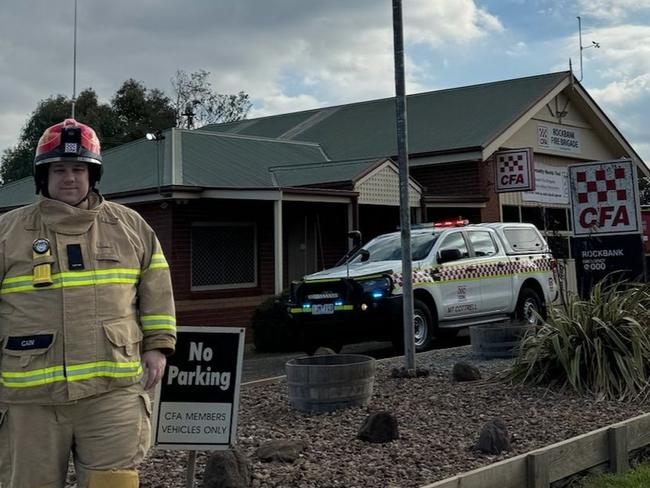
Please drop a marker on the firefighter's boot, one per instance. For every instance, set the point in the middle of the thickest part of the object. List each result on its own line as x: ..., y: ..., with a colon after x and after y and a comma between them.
x: 113, y: 479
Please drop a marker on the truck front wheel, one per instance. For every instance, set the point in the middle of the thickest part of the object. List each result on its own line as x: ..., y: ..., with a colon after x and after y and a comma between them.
x: 529, y: 307
x: 422, y: 326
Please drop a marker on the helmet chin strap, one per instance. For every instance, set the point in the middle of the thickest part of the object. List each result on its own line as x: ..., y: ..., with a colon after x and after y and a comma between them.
x: 82, y: 200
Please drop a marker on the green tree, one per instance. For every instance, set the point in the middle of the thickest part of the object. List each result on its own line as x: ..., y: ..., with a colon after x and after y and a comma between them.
x: 17, y: 161
x: 197, y: 104
x: 140, y: 110
x: 133, y: 111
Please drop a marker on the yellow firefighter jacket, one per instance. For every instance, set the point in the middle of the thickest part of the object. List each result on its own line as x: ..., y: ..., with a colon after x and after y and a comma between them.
x: 110, y: 298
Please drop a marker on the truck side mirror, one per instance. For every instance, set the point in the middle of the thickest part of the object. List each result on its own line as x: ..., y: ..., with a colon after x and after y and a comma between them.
x: 447, y: 255
x: 355, y: 235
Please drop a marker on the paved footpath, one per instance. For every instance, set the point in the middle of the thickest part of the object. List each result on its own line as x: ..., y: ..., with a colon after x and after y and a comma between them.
x: 258, y: 366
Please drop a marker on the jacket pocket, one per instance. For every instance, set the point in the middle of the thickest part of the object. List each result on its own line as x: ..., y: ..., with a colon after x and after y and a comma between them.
x: 107, y: 253
x: 124, y: 337
x: 26, y: 350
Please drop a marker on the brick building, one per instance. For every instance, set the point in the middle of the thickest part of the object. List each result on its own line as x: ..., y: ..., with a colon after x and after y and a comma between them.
x: 243, y: 208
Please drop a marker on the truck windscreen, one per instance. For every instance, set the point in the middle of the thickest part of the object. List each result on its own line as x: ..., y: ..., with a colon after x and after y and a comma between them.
x: 387, y: 248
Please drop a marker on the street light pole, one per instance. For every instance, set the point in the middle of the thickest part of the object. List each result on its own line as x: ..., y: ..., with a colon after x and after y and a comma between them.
x: 405, y: 216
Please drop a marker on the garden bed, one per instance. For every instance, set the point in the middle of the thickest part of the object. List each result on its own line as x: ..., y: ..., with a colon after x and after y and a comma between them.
x: 439, y: 421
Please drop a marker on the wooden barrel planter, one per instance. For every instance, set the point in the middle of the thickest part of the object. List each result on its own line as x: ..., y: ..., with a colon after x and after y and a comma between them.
x: 325, y: 383
x: 497, y: 340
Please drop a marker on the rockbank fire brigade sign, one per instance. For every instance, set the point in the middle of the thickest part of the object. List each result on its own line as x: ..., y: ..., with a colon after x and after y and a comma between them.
x: 514, y: 170
x: 198, y: 400
x: 604, y: 198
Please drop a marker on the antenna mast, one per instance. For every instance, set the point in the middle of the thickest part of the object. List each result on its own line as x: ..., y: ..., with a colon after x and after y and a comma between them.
x: 593, y: 44
x: 74, y: 62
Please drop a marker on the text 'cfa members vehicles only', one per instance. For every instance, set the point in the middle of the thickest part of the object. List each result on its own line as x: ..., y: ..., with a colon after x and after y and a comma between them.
x: 463, y: 275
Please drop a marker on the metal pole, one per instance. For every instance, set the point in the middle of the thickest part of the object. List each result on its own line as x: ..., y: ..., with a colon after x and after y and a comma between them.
x: 158, y: 142
x: 191, y: 467
x: 74, y: 62
x: 405, y: 217
x: 580, y: 43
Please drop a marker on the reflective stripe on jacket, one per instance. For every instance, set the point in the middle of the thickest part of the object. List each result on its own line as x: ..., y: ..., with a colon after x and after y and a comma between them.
x: 82, y: 334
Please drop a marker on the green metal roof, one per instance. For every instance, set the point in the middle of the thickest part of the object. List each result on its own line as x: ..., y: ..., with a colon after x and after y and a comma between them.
x: 134, y: 166
x: 322, y: 172
x: 239, y: 162
x: 439, y: 121
x: 17, y: 193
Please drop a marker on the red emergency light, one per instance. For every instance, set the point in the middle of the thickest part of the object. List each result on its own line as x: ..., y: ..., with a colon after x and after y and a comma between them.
x: 452, y: 223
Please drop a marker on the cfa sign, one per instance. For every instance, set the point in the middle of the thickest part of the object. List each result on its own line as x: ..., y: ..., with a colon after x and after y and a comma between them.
x: 514, y: 170
x: 198, y: 398
x: 604, y: 198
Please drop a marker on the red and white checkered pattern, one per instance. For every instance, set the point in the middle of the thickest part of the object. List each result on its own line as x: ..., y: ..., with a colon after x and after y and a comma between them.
x: 510, y: 163
x: 482, y: 270
x: 596, y: 188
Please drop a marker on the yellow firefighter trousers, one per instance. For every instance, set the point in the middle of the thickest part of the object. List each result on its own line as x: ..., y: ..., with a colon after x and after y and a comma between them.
x: 104, y: 433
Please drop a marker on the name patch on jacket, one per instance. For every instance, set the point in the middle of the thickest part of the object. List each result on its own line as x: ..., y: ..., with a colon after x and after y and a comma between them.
x: 25, y: 343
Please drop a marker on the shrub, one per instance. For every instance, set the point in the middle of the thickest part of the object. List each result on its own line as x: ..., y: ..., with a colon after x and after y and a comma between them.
x: 272, y: 326
x: 599, y: 346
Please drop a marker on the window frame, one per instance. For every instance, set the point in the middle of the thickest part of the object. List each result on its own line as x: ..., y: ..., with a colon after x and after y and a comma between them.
x: 465, y: 239
x: 471, y: 232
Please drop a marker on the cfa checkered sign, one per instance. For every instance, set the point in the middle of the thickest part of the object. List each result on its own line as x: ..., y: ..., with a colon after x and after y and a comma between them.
x: 514, y: 170
x: 604, y: 198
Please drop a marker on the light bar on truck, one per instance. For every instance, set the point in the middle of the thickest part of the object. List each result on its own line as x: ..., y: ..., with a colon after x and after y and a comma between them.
x: 452, y: 223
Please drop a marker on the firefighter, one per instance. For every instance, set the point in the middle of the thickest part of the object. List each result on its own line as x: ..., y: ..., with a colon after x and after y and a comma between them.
x: 86, y: 321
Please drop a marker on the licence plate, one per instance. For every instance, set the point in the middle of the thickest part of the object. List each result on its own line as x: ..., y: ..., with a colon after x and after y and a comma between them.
x: 322, y: 309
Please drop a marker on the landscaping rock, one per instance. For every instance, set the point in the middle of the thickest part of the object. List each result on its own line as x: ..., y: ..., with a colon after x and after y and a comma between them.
x: 286, y: 451
x: 324, y: 351
x: 379, y: 427
x: 465, y: 372
x: 227, y: 469
x: 494, y: 438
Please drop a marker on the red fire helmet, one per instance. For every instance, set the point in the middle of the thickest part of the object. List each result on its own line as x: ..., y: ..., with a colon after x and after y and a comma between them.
x: 67, y: 141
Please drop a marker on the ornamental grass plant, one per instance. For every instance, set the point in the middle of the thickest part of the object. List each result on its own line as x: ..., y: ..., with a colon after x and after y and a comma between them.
x: 599, y: 346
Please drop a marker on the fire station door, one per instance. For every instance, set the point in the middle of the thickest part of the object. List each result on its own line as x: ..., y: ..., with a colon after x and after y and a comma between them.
x: 461, y: 297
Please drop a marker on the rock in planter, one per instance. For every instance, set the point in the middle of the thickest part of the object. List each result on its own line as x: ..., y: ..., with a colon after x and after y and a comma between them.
x: 281, y: 450
x: 379, y: 427
x: 494, y: 438
x: 227, y: 469
x: 465, y: 372
x: 324, y: 351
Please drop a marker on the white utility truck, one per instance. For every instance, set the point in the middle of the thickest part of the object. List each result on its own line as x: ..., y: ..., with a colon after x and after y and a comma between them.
x: 463, y: 275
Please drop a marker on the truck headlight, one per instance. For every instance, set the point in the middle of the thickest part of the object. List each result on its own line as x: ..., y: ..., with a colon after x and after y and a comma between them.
x: 377, y: 288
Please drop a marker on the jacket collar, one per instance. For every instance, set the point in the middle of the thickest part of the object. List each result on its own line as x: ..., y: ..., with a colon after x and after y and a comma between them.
x: 66, y: 219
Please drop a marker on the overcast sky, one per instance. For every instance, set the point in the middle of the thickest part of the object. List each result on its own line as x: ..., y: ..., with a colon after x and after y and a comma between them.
x: 292, y: 55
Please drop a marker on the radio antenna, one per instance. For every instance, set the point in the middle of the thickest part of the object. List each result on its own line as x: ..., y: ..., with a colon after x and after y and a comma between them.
x: 74, y: 62
x: 582, y: 48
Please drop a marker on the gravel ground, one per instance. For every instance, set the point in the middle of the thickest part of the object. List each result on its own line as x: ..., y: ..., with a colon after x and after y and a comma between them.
x: 439, y: 422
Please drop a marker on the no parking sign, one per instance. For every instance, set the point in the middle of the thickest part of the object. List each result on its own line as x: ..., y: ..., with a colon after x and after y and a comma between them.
x: 198, y: 398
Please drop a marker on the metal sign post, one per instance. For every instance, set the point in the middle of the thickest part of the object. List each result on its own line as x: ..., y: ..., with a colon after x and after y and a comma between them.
x: 405, y: 216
